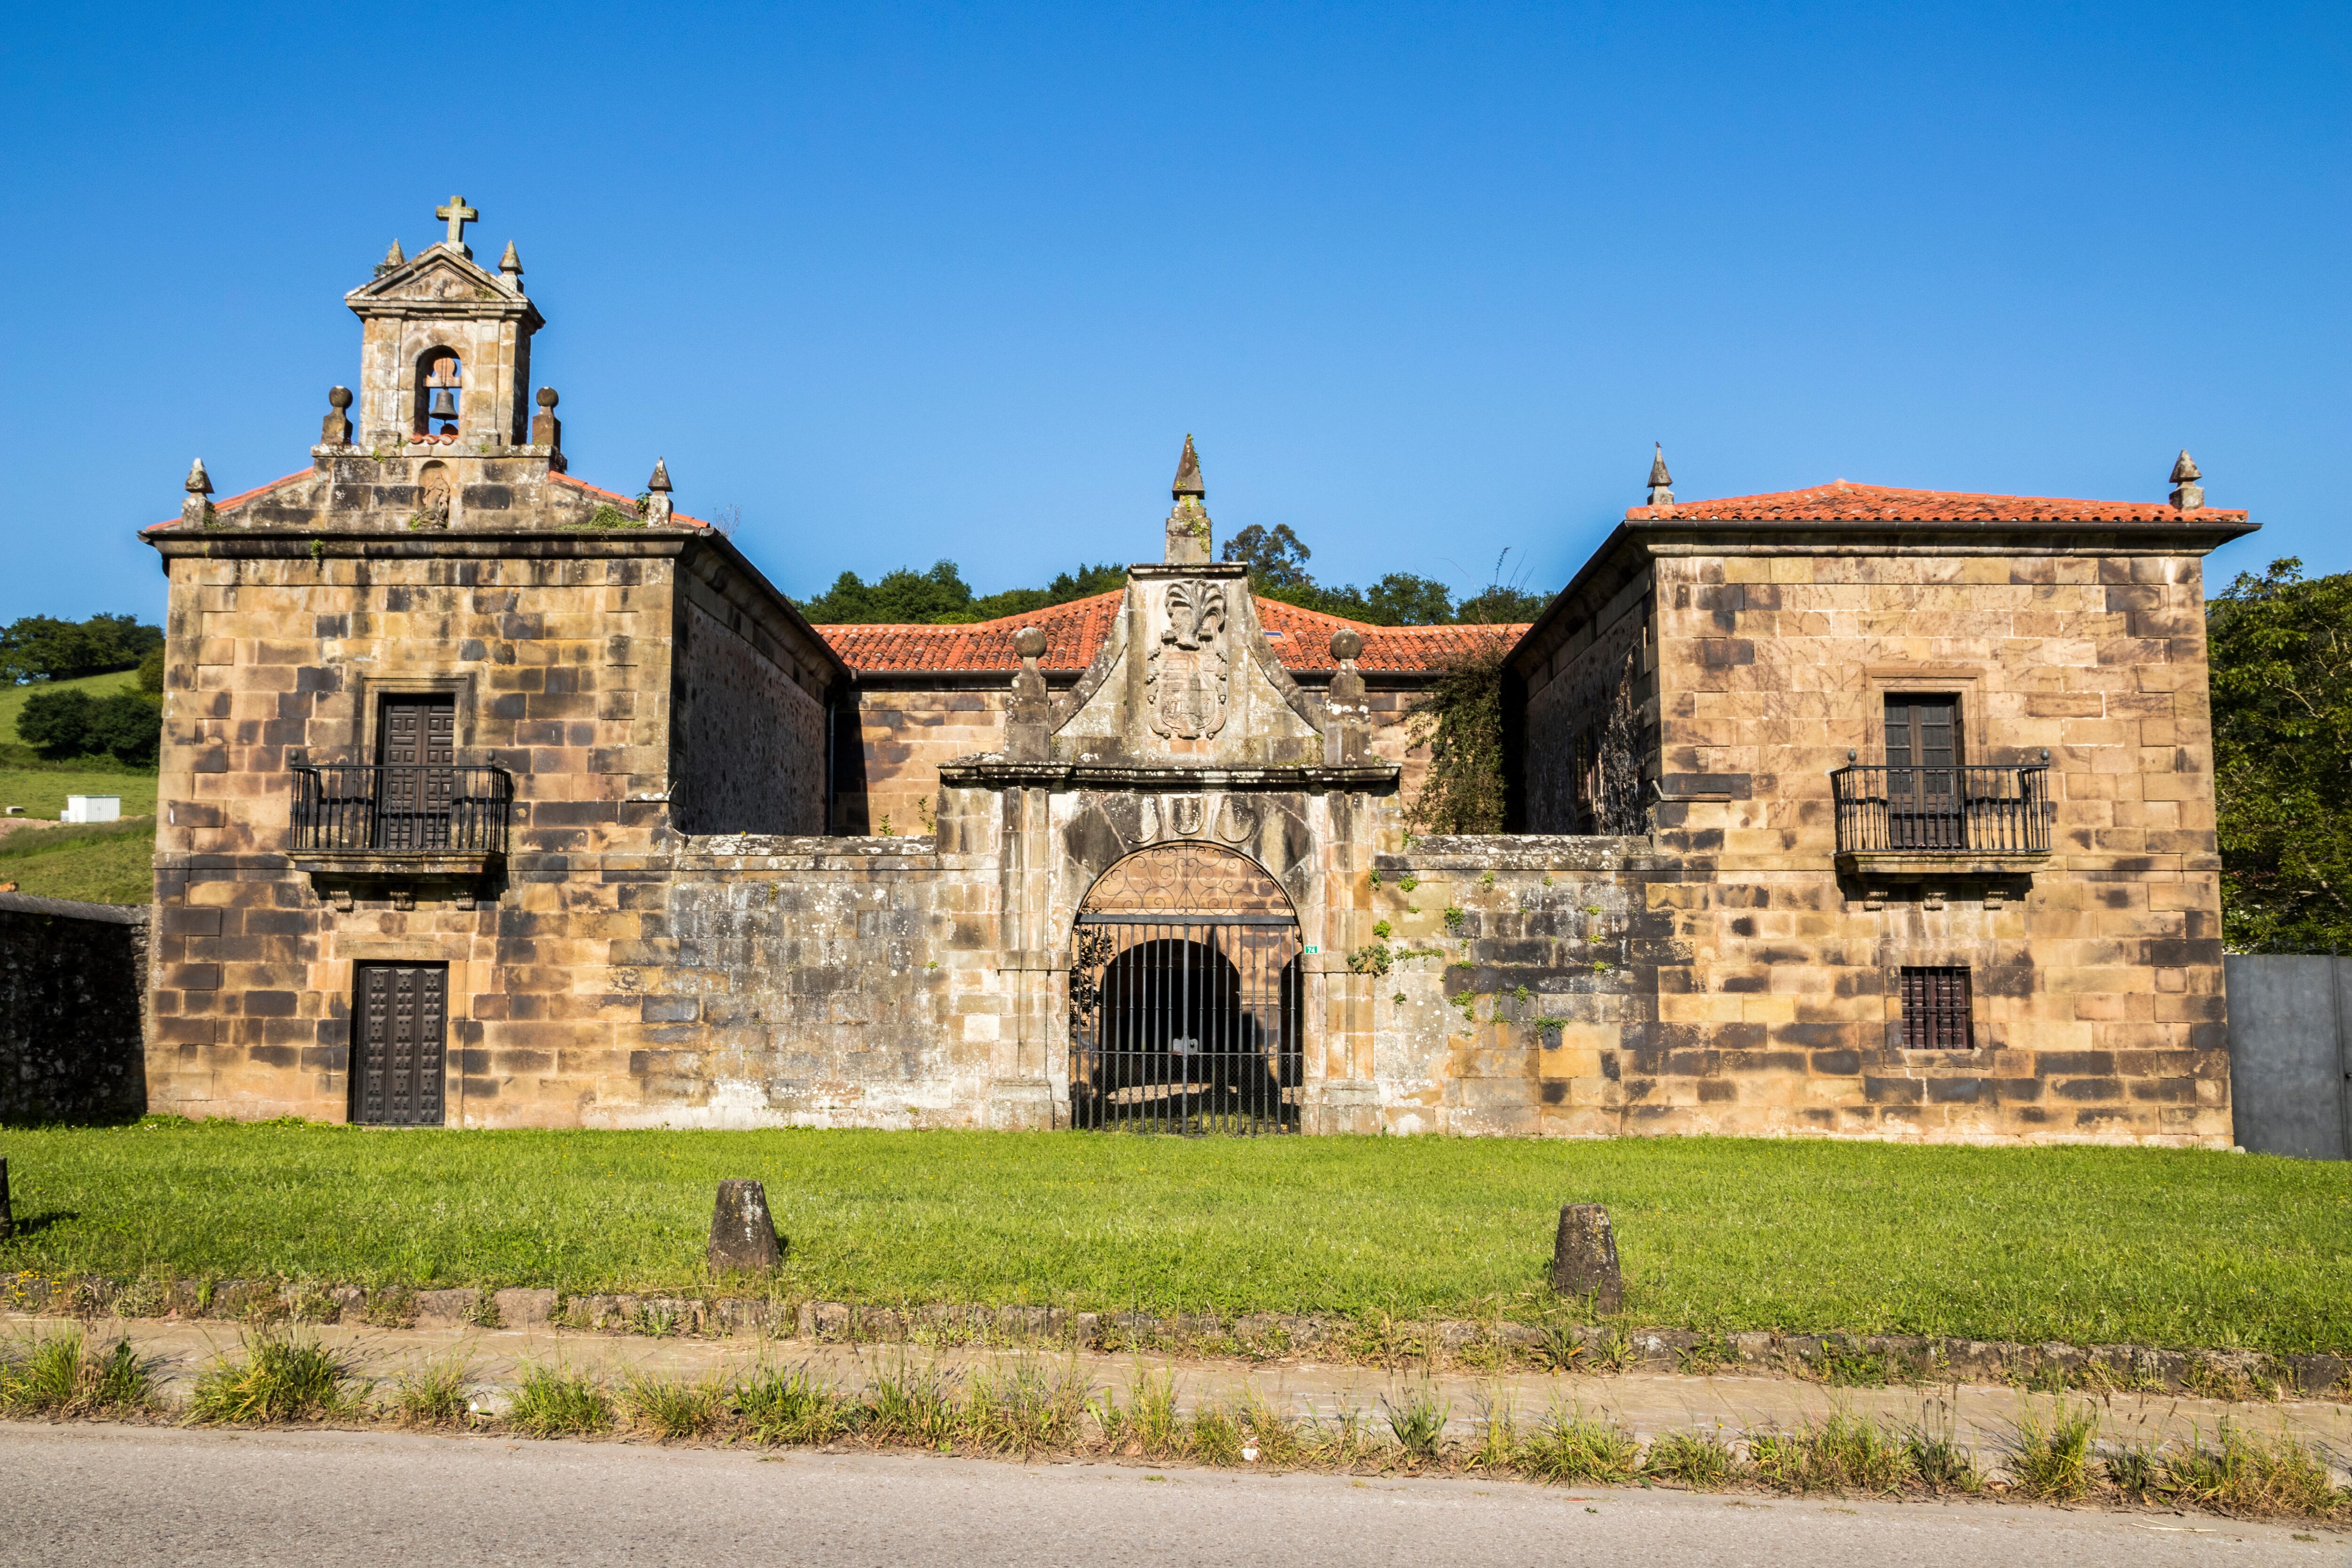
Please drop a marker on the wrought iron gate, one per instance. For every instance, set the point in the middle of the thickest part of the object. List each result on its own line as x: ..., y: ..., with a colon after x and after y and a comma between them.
x: 1184, y: 996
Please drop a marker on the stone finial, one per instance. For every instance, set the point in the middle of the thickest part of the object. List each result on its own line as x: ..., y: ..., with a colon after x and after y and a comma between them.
x: 742, y: 1232
x: 546, y: 429
x: 392, y: 259
x: 457, y: 215
x: 196, y: 509
x: 1347, y: 716
x: 1584, y: 1257
x: 1188, y: 524
x: 1188, y: 474
x: 510, y: 268
x: 335, y: 430
x: 1662, y: 492
x: 1029, y: 718
x: 2187, y: 495
x: 656, y: 502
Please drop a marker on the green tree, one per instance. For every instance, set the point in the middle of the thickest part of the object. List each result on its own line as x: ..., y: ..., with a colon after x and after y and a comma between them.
x: 127, y: 726
x: 941, y: 597
x: 1277, y: 557
x: 1460, y: 720
x: 2281, y: 650
x: 56, y: 723
x: 43, y: 648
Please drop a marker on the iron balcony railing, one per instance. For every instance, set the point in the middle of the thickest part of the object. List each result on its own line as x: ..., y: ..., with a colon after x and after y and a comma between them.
x: 430, y: 810
x: 1942, y: 811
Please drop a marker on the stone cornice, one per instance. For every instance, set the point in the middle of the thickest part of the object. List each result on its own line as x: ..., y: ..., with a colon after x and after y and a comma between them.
x: 991, y: 772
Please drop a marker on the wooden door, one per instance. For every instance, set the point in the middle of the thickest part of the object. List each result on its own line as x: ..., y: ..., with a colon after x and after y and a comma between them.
x: 1923, y: 778
x: 417, y: 747
x: 399, y: 1042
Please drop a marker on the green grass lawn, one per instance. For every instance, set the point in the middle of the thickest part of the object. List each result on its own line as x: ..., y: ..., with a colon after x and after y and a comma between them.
x: 104, y: 864
x: 41, y: 787
x: 2167, y: 1248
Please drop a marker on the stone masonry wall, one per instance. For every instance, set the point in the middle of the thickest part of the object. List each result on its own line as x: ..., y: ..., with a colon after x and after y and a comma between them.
x: 1567, y: 703
x: 2098, y: 1002
x: 73, y: 977
x: 752, y: 748
x: 1520, y: 998
x: 558, y: 666
x: 821, y: 981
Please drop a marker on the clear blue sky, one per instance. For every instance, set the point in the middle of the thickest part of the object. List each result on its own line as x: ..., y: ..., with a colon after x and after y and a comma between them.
x: 913, y: 282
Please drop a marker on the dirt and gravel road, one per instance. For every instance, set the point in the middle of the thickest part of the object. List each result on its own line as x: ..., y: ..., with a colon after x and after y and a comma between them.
x: 86, y: 1494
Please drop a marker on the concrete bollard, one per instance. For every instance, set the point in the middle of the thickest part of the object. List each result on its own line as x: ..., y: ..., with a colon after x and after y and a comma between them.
x: 1584, y: 1257
x: 742, y: 1235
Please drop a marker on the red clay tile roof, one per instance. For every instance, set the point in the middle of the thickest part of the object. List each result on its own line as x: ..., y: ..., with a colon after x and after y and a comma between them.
x: 1075, y: 632
x: 1842, y: 500
x: 626, y: 502
x: 239, y: 499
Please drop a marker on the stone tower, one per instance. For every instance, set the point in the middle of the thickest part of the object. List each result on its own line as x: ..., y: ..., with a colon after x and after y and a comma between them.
x: 445, y: 353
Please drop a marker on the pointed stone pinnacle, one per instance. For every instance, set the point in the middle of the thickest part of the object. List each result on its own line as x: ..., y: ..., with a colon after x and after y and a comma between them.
x: 1188, y: 474
x: 511, y: 264
x: 2185, y: 471
x: 392, y: 258
x: 199, y: 482
x: 660, y: 481
x: 1658, y: 475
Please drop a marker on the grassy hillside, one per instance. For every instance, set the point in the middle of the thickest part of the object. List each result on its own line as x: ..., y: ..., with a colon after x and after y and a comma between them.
x: 108, y: 865
x: 12, y: 698
x: 41, y: 787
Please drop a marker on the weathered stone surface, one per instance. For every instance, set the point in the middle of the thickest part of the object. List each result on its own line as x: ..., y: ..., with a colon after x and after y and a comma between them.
x: 72, y: 1045
x: 446, y: 1309
x: 742, y: 1234
x: 1584, y: 1257
x: 520, y: 1308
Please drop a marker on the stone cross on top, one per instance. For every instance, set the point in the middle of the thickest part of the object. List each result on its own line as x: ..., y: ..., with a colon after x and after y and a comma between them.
x: 459, y: 215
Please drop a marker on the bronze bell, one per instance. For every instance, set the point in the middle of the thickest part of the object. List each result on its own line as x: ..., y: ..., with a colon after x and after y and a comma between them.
x: 445, y: 405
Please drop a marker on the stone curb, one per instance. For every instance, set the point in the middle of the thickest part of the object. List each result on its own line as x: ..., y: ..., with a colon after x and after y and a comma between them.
x: 1264, y: 1336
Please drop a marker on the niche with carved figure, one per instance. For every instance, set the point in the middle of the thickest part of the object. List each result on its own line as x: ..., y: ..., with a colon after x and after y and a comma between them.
x: 432, y: 495
x: 440, y: 384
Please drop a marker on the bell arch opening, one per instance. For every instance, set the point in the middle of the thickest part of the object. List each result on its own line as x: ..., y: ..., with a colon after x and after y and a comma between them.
x: 1185, y: 996
x: 440, y: 384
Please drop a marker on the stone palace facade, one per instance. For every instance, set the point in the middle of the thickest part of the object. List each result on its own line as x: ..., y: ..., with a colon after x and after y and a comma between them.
x: 493, y: 798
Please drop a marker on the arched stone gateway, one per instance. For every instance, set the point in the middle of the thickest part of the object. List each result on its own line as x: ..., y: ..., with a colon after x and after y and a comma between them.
x: 1184, y: 996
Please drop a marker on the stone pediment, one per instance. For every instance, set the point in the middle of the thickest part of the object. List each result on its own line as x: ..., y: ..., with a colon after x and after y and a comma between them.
x: 1186, y: 676
x: 438, y: 276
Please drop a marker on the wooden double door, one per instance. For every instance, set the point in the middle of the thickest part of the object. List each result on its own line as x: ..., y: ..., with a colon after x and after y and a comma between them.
x: 400, y: 1029
x: 416, y: 746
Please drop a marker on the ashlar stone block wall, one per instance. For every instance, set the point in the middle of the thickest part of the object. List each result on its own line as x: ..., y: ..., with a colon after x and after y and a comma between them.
x: 2098, y: 1005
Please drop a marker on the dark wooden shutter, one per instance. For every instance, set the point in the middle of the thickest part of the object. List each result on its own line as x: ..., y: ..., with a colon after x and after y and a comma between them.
x: 1923, y: 757
x: 399, y: 1042
x: 1936, y: 1012
x: 416, y: 746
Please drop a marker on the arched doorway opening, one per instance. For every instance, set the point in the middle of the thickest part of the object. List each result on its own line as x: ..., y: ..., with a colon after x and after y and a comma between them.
x: 1185, y: 996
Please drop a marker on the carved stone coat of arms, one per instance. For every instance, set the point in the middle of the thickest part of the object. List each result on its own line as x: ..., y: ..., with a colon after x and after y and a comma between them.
x: 1185, y: 678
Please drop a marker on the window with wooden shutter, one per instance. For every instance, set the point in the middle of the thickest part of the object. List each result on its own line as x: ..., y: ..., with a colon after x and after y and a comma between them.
x: 1935, y: 1009
x: 1923, y: 771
